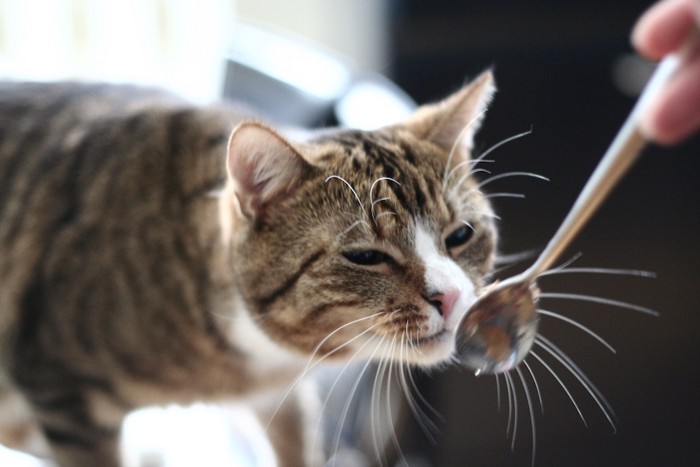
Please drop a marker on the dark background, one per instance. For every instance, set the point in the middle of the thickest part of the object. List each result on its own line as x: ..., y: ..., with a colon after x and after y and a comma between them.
x: 553, y: 63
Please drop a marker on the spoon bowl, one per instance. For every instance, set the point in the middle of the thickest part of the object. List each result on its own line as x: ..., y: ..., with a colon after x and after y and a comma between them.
x: 500, y: 327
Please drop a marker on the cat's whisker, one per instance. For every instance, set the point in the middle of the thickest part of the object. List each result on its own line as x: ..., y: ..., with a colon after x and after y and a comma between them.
x: 504, y: 195
x: 528, y: 399
x: 537, y: 386
x: 311, y: 363
x: 374, y: 203
x: 565, y: 264
x: 470, y: 173
x: 490, y: 215
x: 355, y: 224
x: 600, y: 300
x: 579, y: 326
x: 503, y: 142
x: 427, y: 425
x: 498, y: 391
x: 353, y: 390
x: 410, y: 342
x: 494, y: 178
x: 565, y: 269
x: 379, y: 342
x: 357, y: 197
x: 389, y: 412
x: 388, y: 213
x: 415, y: 348
x: 375, y: 419
x: 467, y: 224
x: 563, y: 386
x: 383, y: 400
x: 610, y: 271
x: 469, y: 164
x: 421, y: 417
x: 464, y: 202
x: 428, y: 406
x: 501, y: 176
x: 332, y: 388
x: 587, y: 384
x: 481, y: 157
x: 504, y: 262
x: 509, y: 398
x: 374, y: 183
x: 511, y: 385
x: 458, y: 139
x: 464, y: 197
x: 514, y: 258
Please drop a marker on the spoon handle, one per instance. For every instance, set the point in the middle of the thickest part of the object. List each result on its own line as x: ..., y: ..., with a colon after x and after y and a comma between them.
x: 622, y: 153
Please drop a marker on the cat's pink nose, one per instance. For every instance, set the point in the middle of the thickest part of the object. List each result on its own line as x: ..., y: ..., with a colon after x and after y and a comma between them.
x: 444, y: 301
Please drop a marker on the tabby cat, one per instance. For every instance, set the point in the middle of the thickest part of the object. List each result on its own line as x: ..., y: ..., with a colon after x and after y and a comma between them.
x: 149, y: 255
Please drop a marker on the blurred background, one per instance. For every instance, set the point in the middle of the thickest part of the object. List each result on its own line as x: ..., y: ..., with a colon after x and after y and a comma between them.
x: 565, y: 70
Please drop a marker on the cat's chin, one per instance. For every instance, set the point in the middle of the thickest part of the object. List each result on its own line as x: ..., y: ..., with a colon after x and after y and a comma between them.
x: 432, y: 350
x: 427, y: 351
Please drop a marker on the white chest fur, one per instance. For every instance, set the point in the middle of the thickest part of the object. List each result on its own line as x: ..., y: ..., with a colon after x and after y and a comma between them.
x: 266, y: 354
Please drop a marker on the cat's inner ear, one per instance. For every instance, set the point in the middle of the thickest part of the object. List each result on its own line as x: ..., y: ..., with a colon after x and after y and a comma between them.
x: 262, y: 165
x: 452, y: 123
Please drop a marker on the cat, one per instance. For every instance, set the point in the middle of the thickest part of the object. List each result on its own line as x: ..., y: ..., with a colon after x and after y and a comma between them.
x: 154, y: 252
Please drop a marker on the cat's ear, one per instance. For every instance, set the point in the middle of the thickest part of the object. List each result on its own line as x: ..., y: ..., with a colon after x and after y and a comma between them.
x: 262, y: 166
x: 453, y: 122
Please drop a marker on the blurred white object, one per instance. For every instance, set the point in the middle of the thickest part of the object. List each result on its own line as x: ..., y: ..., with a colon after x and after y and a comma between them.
x: 295, y: 82
x: 173, y: 43
x: 197, y: 435
x: 12, y: 458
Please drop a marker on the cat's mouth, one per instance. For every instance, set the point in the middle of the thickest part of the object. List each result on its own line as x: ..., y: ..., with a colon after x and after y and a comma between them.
x: 431, y: 349
x: 439, y: 336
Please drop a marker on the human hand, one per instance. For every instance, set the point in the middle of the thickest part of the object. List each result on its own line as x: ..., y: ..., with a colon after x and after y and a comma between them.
x: 674, y: 114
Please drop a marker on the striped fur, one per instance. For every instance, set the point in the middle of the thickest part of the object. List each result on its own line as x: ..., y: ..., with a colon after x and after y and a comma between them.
x: 143, y: 261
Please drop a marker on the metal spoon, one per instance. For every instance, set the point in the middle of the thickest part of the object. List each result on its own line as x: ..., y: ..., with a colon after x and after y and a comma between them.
x: 500, y: 327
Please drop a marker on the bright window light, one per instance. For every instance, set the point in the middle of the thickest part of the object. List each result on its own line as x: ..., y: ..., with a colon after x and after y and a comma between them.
x: 176, y: 44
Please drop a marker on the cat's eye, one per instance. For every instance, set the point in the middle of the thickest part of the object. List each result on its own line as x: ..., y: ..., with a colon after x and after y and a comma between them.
x: 459, y: 236
x: 366, y: 257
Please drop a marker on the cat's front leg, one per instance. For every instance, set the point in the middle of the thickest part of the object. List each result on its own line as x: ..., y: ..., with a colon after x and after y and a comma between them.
x: 82, y: 426
x: 18, y: 428
x: 292, y: 426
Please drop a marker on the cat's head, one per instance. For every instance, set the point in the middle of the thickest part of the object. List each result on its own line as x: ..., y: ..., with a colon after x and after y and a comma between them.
x: 363, y: 243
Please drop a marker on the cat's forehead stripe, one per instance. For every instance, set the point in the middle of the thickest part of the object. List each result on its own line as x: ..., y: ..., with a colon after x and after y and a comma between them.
x: 417, y: 190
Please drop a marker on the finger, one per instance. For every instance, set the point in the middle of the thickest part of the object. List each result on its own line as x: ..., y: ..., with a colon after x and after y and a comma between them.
x: 663, y: 28
x: 673, y: 115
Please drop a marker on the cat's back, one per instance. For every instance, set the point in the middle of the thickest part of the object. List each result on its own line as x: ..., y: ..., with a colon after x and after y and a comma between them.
x: 36, y: 118
x: 69, y: 147
x: 51, y: 123
x: 90, y: 172
x: 73, y: 101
